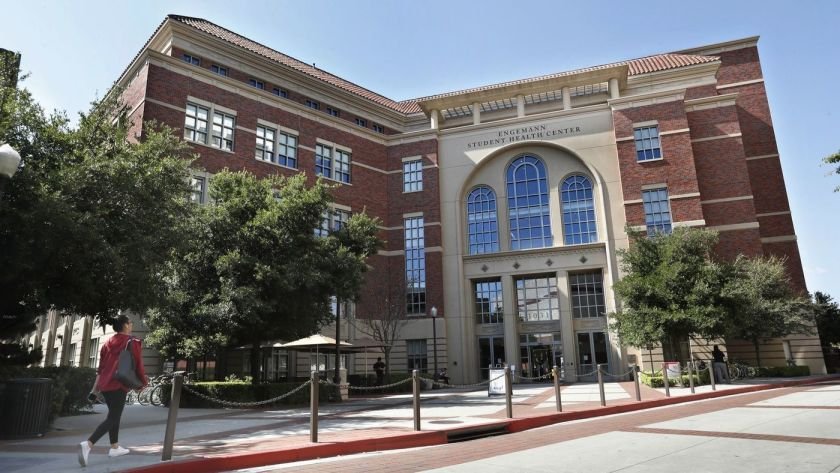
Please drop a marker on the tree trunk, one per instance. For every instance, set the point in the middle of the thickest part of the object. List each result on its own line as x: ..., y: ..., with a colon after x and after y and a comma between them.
x: 255, y: 361
x: 757, y: 353
x: 387, y: 351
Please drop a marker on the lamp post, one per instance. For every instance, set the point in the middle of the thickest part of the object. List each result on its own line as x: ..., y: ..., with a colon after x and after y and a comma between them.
x: 9, y: 162
x: 433, y: 312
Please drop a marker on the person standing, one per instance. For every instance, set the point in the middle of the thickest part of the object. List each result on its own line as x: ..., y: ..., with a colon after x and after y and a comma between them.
x: 112, y: 390
x: 719, y: 365
x: 379, y: 368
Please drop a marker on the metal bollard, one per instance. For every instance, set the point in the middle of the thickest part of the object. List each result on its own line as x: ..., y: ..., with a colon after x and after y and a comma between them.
x: 601, y: 386
x: 174, y: 402
x: 712, y: 375
x: 415, y: 385
x: 665, y: 380
x: 636, y: 382
x: 313, y: 406
x: 508, y: 393
x: 691, y: 376
x: 556, y: 372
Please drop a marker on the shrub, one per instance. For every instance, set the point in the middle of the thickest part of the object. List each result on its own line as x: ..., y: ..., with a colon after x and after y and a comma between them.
x: 361, y: 380
x: 783, y: 371
x: 70, y: 386
x: 240, y: 391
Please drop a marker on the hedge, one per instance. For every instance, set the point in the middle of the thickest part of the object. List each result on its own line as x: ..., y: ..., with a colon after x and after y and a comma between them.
x: 783, y: 371
x: 238, y: 391
x: 657, y: 381
x: 361, y: 380
x: 70, y: 386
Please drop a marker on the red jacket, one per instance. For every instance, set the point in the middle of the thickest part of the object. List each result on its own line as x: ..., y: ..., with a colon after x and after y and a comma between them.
x: 109, y: 356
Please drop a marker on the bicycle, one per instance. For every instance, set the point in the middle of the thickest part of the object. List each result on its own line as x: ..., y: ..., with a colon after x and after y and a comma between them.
x: 739, y: 370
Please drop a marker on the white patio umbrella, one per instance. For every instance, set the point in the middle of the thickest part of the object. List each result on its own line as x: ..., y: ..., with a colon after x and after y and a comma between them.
x: 317, y: 341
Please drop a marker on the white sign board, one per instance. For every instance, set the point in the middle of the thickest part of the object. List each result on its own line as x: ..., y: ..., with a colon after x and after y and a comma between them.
x: 674, y: 370
x: 497, y: 380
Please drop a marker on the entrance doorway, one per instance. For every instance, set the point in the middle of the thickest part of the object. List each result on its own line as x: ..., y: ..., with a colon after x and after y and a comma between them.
x: 592, y: 351
x: 491, y: 351
x: 539, y: 353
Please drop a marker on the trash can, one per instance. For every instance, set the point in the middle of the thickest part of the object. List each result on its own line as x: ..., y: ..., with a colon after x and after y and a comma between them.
x: 25, y: 409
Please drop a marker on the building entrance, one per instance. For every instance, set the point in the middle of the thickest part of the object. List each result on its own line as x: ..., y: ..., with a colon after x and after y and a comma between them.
x: 491, y: 351
x: 592, y: 351
x: 539, y: 353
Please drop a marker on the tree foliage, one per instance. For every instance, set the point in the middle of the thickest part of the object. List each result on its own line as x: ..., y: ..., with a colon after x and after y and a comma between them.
x: 254, y: 270
x: 671, y: 288
x: 827, y: 313
x: 762, y: 302
x: 89, y: 218
x: 834, y: 159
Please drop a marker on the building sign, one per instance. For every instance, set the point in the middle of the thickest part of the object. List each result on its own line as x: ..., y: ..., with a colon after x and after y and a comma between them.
x: 524, y: 133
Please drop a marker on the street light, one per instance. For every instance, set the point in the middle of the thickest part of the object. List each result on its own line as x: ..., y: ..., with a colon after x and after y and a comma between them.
x: 9, y: 162
x: 433, y: 312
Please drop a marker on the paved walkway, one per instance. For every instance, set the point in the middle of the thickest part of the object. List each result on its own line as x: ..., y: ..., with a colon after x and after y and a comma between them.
x: 233, y: 438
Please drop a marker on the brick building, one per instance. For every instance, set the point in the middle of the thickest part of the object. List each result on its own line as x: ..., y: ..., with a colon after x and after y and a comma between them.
x: 502, y: 206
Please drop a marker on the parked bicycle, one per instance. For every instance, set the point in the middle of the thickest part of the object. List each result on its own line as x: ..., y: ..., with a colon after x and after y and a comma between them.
x: 739, y: 370
x: 153, y: 392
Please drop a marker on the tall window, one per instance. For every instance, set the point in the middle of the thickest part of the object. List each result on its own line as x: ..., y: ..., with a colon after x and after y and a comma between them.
x: 223, y: 131
x: 323, y: 161
x: 647, y: 143
x: 72, y: 360
x: 578, y: 211
x: 93, y: 353
x: 332, y: 221
x: 657, y: 210
x: 199, y: 189
x: 416, y: 353
x: 287, y: 150
x: 587, y: 293
x: 482, y: 227
x: 342, y: 166
x: 537, y: 298
x: 530, y: 224
x: 415, y: 265
x: 195, y: 123
x: 488, y: 302
x: 413, y: 176
x: 265, y: 144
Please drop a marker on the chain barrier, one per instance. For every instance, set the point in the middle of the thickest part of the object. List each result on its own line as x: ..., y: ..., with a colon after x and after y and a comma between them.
x: 617, y: 376
x: 482, y: 383
x: 537, y: 378
x: 244, y: 404
x: 369, y: 388
x: 583, y: 375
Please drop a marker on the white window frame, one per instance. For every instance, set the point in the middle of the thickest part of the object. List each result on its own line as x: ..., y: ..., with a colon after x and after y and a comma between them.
x: 199, y: 189
x: 256, y: 83
x: 221, y: 70
x: 377, y: 128
x: 211, y: 135
x: 313, y: 104
x: 341, y: 165
x: 361, y: 122
x: 413, y: 175
x: 190, y: 59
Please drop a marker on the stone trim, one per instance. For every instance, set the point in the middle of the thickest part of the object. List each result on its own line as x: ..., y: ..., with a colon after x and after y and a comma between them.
x: 779, y: 239
x: 763, y: 156
x: 689, y: 223
x: 684, y: 196
x: 715, y: 101
x: 719, y: 137
x: 674, y: 132
x: 773, y: 214
x: 738, y: 84
x: 735, y: 226
x: 726, y: 199
x: 643, y: 100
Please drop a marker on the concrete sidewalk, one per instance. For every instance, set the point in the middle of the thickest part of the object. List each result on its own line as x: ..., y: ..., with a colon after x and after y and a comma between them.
x: 223, y: 439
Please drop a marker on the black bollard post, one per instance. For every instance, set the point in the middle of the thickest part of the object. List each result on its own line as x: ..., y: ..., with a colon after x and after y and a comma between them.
x: 556, y: 372
x: 415, y: 386
x: 175, y: 401
x: 313, y: 407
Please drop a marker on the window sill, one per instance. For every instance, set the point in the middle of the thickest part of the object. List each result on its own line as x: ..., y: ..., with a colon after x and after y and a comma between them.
x: 333, y: 180
x: 209, y: 146
x: 413, y: 192
x: 650, y: 160
x: 275, y: 164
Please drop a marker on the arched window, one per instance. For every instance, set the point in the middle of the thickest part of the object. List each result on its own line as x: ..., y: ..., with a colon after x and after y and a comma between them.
x: 482, y: 226
x: 578, y: 211
x: 527, y: 193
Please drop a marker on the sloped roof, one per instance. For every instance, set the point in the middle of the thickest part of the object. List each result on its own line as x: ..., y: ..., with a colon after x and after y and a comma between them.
x: 655, y: 63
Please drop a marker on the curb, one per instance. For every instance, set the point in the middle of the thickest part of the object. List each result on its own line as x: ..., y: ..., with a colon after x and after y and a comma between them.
x: 237, y: 461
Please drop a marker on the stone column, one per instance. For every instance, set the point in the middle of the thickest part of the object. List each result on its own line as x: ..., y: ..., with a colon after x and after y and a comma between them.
x: 520, y: 106
x: 476, y: 111
x: 567, y: 98
x: 435, y: 119
x: 511, y: 322
x: 614, y: 89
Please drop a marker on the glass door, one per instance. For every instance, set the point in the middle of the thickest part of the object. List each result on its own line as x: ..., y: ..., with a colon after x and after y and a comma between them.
x: 491, y: 351
x: 592, y: 351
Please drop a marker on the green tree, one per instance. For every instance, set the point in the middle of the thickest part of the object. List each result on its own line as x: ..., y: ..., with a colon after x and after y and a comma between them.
x: 89, y: 219
x: 827, y: 313
x: 254, y: 270
x: 834, y: 159
x: 670, y: 290
x: 763, y: 304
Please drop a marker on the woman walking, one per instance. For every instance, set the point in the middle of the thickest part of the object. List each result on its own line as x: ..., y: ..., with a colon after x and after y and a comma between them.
x: 112, y: 390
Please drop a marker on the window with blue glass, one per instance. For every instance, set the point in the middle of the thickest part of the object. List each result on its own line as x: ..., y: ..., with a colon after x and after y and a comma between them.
x: 578, y: 211
x: 415, y: 265
x: 527, y: 190
x: 647, y: 143
x: 323, y: 161
x: 657, y: 210
x: 482, y: 225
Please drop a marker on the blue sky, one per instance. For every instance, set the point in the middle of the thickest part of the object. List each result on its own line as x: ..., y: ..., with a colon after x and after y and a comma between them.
x: 74, y: 51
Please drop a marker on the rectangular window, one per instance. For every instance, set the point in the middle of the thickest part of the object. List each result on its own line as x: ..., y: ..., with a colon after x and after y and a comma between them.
x: 323, y: 161
x: 333, y: 220
x: 378, y: 128
x: 587, y: 293
x: 416, y: 352
x: 72, y: 360
x: 413, y: 176
x: 361, y: 122
x: 333, y: 111
x: 647, y: 143
x: 256, y: 83
x: 342, y: 166
x: 287, y: 150
x: 313, y: 104
x: 189, y: 59
x: 93, y: 354
x: 222, y: 71
x: 537, y: 298
x: 415, y: 265
x: 280, y: 92
x: 198, y: 185
x: 223, y: 125
x: 488, y: 301
x: 195, y: 123
x: 265, y: 144
x: 657, y: 210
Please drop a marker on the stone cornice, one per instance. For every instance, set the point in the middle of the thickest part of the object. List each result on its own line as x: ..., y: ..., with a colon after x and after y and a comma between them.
x: 536, y: 253
x: 641, y: 100
x: 712, y: 49
x: 715, y: 101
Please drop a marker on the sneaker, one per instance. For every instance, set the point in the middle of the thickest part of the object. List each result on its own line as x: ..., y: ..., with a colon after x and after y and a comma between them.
x: 117, y: 452
x: 84, y: 451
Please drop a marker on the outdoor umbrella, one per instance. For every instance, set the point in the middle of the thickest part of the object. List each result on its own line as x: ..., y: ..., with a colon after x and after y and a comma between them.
x: 318, y: 342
